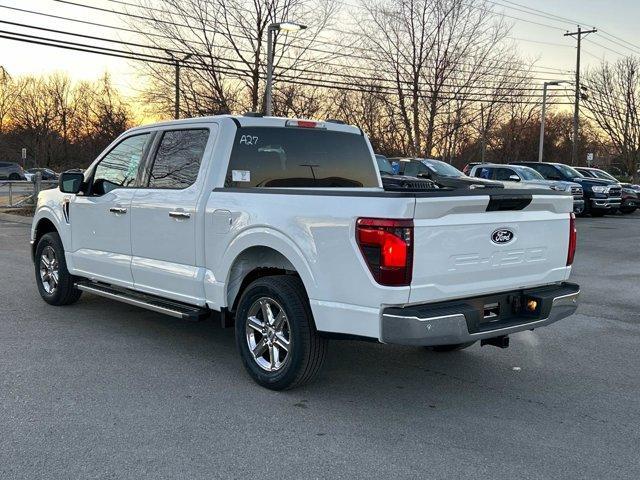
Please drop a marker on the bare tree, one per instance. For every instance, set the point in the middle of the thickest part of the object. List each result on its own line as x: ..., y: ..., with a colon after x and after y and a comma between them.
x: 614, y: 101
x: 227, y: 42
x: 433, y: 52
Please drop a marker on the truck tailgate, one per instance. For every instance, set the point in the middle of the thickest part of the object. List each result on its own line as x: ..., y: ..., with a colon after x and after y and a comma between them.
x: 472, y: 245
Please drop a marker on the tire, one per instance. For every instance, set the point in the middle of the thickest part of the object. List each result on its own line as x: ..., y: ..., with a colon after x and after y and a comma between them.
x: 450, y: 348
x: 14, y: 176
x: 627, y: 210
x: 49, y: 258
x: 306, y: 350
x: 598, y: 213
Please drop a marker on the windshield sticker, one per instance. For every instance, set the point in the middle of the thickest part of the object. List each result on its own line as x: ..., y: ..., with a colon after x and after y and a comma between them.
x: 241, y: 175
x: 248, y: 140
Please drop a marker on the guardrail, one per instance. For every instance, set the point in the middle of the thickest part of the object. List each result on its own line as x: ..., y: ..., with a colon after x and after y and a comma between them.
x: 22, y: 193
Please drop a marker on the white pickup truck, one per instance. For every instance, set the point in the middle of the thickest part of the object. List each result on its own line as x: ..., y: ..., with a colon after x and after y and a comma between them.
x: 285, y: 229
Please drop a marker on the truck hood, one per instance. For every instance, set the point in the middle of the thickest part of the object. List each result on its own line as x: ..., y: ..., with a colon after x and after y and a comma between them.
x: 593, y: 181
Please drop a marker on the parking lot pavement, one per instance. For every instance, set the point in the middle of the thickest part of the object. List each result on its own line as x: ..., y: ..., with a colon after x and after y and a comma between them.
x: 104, y: 390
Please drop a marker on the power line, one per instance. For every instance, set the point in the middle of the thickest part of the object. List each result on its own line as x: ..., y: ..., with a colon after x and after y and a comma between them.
x: 340, y: 54
x: 519, y: 88
x: 229, y: 70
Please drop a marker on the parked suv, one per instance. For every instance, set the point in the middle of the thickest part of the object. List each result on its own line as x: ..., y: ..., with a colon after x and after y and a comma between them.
x: 528, y: 177
x: 601, y: 196
x: 11, y: 171
x: 443, y: 173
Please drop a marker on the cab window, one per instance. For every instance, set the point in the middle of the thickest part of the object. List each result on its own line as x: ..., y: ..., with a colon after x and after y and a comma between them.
x: 119, y: 168
x: 503, y: 174
x: 178, y: 158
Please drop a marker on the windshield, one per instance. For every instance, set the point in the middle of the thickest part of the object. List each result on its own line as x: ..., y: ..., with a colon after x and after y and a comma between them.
x: 384, y: 165
x: 604, y: 175
x: 567, y: 171
x: 529, y: 173
x: 443, y: 169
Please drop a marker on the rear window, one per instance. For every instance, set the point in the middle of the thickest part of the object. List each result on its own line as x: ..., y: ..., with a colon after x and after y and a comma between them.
x: 299, y: 157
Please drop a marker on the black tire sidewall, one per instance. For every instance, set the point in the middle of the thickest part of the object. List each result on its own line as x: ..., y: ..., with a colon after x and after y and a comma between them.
x: 64, y: 278
x: 297, y: 314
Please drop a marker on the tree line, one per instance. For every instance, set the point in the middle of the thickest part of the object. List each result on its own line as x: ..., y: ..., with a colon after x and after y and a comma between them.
x: 61, y: 123
x: 432, y: 78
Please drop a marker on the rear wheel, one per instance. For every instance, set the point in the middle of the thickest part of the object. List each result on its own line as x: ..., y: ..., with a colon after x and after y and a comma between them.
x: 14, y: 176
x: 55, y: 284
x: 276, y: 335
x: 450, y: 348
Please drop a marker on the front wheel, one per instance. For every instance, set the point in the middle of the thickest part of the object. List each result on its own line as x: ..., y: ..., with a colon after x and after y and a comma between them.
x: 627, y: 210
x: 275, y: 333
x: 55, y: 283
x: 450, y: 348
x: 14, y: 176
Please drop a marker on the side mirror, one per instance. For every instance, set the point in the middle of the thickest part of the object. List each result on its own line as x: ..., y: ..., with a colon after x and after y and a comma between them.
x: 70, y: 182
x: 514, y: 178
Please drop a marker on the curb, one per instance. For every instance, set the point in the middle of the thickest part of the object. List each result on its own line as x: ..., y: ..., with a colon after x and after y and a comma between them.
x: 16, y: 218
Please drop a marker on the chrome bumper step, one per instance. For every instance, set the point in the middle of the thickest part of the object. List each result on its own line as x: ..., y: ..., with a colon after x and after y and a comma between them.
x: 143, y: 300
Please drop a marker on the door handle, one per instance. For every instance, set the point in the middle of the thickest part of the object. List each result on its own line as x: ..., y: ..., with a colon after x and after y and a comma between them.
x: 178, y: 214
x: 118, y: 210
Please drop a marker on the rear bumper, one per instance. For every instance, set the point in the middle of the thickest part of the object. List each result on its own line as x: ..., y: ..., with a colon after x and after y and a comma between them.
x: 462, y: 321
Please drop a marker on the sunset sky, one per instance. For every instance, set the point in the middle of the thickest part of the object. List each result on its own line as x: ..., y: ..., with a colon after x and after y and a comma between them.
x: 617, y: 17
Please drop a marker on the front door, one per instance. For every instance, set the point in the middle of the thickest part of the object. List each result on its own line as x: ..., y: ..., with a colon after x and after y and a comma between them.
x: 164, y: 221
x: 101, y: 219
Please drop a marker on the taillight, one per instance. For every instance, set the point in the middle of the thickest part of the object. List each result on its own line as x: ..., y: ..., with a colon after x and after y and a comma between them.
x: 573, y: 239
x: 387, y: 247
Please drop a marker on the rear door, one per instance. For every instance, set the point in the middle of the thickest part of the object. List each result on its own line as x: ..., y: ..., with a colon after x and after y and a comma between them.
x: 100, y: 220
x: 462, y: 249
x: 164, y: 216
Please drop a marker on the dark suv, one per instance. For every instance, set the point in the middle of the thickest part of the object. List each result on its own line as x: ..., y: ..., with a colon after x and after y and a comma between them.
x: 630, y: 192
x: 11, y: 171
x: 442, y: 173
x: 601, y: 196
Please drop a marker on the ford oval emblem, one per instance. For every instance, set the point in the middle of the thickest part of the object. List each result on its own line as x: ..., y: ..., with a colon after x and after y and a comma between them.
x: 502, y: 236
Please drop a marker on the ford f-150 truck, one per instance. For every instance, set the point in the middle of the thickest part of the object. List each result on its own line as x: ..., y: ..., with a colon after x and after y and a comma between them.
x: 283, y: 227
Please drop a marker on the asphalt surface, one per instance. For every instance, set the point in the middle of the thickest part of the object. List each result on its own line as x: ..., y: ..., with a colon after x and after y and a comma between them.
x: 105, y: 390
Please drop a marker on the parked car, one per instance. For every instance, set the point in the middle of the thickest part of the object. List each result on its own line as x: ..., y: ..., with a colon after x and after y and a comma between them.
x: 11, y: 171
x: 47, y: 173
x: 283, y: 227
x: 467, y: 168
x: 528, y: 177
x: 630, y: 192
x: 442, y: 173
x: 601, y: 196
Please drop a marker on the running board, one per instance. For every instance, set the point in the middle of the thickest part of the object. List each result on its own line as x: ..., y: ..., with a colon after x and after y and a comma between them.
x: 143, y: 300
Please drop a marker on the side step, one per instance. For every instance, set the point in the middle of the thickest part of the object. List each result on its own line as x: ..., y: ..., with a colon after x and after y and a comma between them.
x: 150, y: 302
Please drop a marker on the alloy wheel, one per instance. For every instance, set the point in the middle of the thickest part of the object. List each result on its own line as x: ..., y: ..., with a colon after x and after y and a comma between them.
x: 49, y: 270
x: 268, y: 334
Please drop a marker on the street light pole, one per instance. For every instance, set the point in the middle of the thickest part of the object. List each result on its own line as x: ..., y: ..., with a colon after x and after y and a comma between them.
x: 176, y: 64
x: 543, y: 115
x: 275, y: 27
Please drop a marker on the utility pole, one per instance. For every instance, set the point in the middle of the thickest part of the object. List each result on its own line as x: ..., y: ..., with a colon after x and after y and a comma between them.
x: 576, y: 112
x: 176, y: 64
